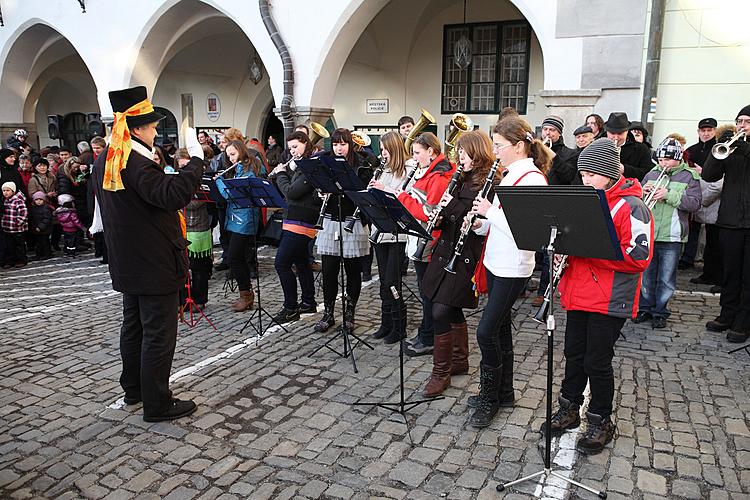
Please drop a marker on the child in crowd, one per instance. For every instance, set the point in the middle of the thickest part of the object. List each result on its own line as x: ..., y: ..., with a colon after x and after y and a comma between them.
x: 15, y: 222
x: 71, y: 225
x: 674, y: 203
x: 41, y: 225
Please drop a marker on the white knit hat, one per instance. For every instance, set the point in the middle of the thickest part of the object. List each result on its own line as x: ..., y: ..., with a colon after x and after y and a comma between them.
x: 10, y: 185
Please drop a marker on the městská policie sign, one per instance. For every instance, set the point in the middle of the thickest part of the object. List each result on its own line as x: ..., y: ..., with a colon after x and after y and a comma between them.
x: 377, y: 106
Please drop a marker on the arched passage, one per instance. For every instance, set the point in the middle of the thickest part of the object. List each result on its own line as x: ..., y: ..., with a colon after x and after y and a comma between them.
x: 43, y: 75
x: 194, y: 50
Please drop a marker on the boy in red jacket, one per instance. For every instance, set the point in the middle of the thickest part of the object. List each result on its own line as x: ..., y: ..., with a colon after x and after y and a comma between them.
x: 599, y: 295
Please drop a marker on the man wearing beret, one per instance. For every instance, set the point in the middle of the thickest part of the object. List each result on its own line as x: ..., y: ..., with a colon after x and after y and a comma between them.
x: 146, y: 249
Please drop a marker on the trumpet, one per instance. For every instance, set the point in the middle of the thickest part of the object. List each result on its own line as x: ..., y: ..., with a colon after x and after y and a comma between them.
x: 376, y: 232
x: 460, y: 124
x: 349, y: 227
x: 435, y: 215
x: 722, y: 150
x: 661, y: 181
x: 425, y: 119
x: 459, y: 248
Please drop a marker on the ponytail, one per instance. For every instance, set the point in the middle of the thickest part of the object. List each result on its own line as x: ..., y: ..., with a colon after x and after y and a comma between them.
x: 541, y: 155
x: 515, y: 129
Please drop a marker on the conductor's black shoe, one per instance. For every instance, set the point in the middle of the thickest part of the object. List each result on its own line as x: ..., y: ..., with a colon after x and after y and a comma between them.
x: 659, y: 322
x: 286, y: 315
x: 308, y: 308
x: 641, y: 317
x: 715, y: 289
x: 599, y: 433
x: 717, y: 325
x: 131, y: 400
x: 736, y: 337
x: 177, y: 409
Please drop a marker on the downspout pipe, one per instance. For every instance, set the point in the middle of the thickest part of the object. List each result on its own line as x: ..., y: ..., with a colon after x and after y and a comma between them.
x: 653, y: 60
x: 287, y: 115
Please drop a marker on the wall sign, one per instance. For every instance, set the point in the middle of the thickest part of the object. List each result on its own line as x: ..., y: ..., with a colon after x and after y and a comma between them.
x: 377, y: 106
x: 213, y: 106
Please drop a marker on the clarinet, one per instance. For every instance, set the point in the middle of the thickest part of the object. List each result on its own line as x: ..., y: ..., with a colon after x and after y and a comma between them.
x: 409, y: 177
x: 349, y: 227
x: 465, y: 231
x: 436, y: 214
x: 322, y: 214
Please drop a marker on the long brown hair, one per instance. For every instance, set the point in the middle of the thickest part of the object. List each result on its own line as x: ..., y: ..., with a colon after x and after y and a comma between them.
x: 244, y: 156
x: 393, y: 143
x: 68, y: 165
x: 515, y: 130
x: 477, y: 146
x: 302, y: 138
x: 429, y: 140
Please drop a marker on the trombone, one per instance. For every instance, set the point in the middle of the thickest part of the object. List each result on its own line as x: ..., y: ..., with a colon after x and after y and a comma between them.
x: 722, y: 150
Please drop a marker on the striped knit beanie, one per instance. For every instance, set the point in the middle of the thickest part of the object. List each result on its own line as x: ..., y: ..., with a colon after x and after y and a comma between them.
x: 554, y: 121
x: 601, y: 157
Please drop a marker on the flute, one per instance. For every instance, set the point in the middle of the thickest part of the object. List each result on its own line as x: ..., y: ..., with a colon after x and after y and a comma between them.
x: 436, y: 214
x: 458, y: 250
x: 376, y: 232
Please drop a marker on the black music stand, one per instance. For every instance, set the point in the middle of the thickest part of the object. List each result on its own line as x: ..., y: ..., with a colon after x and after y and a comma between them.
x: 388, y: 215
x: 248, y: 192
x: 569, y: 220
x: 331, y: 174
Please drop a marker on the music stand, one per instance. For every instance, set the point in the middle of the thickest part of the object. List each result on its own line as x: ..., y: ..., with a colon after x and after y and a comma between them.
x: 331, y: 174
x: 388, y: 215
x: 569, y: 220
x: 254, y: 192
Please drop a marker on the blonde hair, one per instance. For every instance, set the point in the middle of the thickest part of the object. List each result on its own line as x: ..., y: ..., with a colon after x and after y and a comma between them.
x: 393, y: 143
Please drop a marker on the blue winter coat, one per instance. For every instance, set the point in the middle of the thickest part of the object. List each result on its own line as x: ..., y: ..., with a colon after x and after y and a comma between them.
x: 239, y: 220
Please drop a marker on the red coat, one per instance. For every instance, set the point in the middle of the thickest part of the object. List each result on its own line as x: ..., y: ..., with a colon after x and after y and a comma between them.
x: 612, y: 286
x: 424, y: 195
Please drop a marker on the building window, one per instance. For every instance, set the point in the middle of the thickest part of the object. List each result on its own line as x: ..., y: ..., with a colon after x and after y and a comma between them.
x: 498, y: 75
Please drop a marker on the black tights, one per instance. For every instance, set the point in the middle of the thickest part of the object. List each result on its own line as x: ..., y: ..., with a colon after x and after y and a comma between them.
x: 353, y: 270
x: 444, y: 315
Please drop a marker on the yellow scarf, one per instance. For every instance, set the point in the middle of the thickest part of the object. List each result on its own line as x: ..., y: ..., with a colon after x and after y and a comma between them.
x: 120, y: 146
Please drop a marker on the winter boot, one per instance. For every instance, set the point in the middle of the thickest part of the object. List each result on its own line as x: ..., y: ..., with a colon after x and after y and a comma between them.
x: 566, y: 417
x: 460, y: 362
x: 349, y: 314
x: 327, y: 321
x: 386, y: 321
x: 245, y: 302
x: 442, y: 354
x: 489, y: 379
x: 505, y: 394
x: 599, y: 433
x: 399, y: 324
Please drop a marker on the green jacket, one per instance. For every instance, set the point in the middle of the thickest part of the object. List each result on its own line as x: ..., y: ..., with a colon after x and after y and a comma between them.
x: 683, y: 198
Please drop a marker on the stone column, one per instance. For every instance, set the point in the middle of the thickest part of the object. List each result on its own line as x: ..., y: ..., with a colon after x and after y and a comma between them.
x: 306, y: 114
x: 573, y: 106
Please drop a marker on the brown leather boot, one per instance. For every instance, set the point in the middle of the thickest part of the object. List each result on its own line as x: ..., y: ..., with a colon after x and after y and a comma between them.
x: 442, y: 355
x: 245, y: 302
x: 460, y: 362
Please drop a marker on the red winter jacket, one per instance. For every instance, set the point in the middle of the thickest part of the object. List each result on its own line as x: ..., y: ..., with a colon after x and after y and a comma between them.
x: 612, y: 286
x: 423, y: 196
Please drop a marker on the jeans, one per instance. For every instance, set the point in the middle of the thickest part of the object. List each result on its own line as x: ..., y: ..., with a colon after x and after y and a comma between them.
x: 427, y: 332
x: 735, y: 284
x: 589, y: 348
x: 494, y: 330
x: 293, y: 249
x: 660, y: 279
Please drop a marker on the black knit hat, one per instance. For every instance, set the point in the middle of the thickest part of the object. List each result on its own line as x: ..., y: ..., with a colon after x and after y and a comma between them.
x: 5, y: 153
x: 554, y: 121
x: 744, y: 111
x: 617, y: 122
x: 601, y: 157
x: 122, y: 100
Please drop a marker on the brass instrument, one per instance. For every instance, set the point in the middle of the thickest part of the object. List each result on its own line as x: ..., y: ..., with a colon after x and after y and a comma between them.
x: 349, y: 227
x: 460, y: 124
x: 425, y: 119
x: 361, y: 139
x: 376, y: 232
x: 459, y: 248
x: 436, y: 214
x: 317, y: 132
x: 722, y: 150
x: 661, y: 181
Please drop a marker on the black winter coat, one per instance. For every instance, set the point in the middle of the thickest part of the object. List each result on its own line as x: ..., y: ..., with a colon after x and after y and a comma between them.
x: 41, y: 219
x: 734, y: 211
x: 145, y: 245
x: 636, y: 158
x: 699, y: 152
x: 302, y: 199
x: 364, y: 172
x: 564, y: 165
x: 442, y: 287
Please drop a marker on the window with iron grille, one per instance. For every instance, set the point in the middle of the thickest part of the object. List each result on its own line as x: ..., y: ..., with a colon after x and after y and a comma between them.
x: 498, y: 75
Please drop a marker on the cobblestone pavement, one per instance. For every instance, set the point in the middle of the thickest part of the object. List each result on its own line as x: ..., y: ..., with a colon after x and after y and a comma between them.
x: 274, y: 421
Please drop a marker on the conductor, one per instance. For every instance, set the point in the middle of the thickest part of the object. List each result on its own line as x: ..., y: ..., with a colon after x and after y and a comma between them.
x: 147, y: 260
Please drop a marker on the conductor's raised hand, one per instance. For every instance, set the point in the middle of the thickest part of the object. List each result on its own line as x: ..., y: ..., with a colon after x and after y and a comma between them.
x: 191, y: 143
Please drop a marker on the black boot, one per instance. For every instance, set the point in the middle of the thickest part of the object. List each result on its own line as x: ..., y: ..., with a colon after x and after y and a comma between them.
x: 399, y: 323
x: 327, y: 321
x: 505, y: 394
x: 386, y: 321
x: 599, y: 433
x: 349, y: 314
x: 488, y: 404
x: 566, y: 417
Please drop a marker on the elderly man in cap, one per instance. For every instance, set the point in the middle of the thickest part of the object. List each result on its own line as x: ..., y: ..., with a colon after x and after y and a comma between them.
x: 634, y: 156
x: 584, y: 136
x: 734, y: 233
x: 146, y: 249
x: 698, y: 152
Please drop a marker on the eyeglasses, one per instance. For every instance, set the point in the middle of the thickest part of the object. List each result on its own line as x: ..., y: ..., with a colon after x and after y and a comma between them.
x: 500, y: 147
